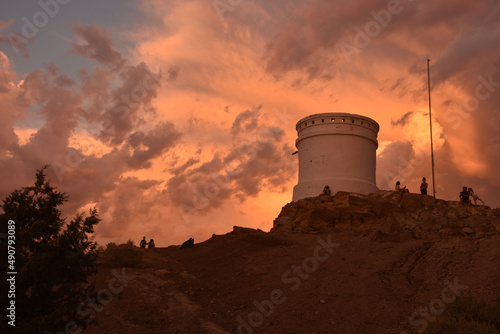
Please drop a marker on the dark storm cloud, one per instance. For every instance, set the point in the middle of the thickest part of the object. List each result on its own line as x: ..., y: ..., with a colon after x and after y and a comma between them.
x: 403, y: 120
x: 398, y: 86
x: 126, y: 206
x: 6, y: 75
x: 470, y: 119
x: 150, y: 145
x: 324, y: 25
x: 10, y: 103
x: 317, y: 27
x: 208, y: 167
x: 16, y: 40
x: 182, y: 168
x: 97, y: 45
x: 471, y: 51
x: 4, y: 25
x: 172, y: 73
x: 58, y: 104
x: 246, y: 121
x: 45, y: 93
x: 129, y: 103
x: 95, y: 89
x: 258, y: 159
x: 62, y: 105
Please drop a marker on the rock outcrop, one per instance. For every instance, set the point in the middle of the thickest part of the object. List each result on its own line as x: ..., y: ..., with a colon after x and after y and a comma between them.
x: 388, y: 216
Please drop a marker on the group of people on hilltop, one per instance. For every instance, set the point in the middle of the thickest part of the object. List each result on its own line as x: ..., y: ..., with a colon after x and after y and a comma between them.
x: 423, y: 187
x: 465, y: 195
x: 143, y: 243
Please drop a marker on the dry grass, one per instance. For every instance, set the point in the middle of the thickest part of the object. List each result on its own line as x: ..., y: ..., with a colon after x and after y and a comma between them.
x: 468, y: 315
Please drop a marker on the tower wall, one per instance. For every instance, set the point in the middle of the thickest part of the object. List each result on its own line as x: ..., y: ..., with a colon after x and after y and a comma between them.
x: 338, y: 150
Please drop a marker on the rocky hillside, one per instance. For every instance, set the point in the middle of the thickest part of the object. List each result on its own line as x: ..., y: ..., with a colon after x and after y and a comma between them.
x: 388, y: 215
x: 386, y: 263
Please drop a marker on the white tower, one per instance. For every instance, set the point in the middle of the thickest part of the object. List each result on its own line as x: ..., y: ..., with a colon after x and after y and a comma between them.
x: 338, y: 150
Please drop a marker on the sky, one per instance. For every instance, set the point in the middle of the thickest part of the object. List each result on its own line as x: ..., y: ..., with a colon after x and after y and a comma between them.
x: 177, y: 118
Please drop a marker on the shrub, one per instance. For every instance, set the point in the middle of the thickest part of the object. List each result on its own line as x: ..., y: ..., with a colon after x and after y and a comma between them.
x: 53, y: 258
x: 124, y: 255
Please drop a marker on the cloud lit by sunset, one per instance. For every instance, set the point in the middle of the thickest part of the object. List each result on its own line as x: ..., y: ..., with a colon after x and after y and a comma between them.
x: 177, y: 119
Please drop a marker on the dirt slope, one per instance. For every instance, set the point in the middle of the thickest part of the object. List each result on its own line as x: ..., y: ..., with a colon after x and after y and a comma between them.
x: 363, y: 279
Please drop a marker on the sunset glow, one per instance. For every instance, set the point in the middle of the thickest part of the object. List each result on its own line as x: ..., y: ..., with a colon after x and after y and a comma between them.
x: 177, y: 118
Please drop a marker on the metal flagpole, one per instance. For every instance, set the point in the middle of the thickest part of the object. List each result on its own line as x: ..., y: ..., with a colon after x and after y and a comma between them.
x: 430, y: 121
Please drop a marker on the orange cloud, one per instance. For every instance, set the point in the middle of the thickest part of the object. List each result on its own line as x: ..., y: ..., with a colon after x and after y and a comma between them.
x: 193, y: 132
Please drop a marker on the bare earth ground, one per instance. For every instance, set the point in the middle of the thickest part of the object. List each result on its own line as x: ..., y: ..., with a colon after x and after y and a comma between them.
x: 366, y: 285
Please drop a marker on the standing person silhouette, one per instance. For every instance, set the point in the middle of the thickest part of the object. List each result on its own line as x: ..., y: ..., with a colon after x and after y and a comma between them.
x: 423, y: 187
x: 143, y: 242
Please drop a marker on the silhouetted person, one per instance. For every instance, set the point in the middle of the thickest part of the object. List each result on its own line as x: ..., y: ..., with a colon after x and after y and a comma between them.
x: 398, y: 188
x: 187, y: 244
x: 151, y: 244
x: 464, y: 196
x: 475, y: 197
x: 143, y: 242
x: 423, y: 187
x: 326, y: 191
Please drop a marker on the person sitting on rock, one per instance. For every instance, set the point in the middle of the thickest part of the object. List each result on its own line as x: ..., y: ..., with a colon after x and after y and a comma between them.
x: 326, y: 191
x: 464, y: 196
x: 475, y: 197
x: 143, y: 242
x: 399, y: 189
x: 151, y: 244
x: 423, y: 187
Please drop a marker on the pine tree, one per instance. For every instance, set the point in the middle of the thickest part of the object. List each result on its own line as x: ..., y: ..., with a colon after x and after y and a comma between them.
x: 53, y: 259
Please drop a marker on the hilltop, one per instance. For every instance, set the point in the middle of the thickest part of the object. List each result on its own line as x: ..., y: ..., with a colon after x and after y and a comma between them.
x: 348, y: 263
x: 388, y: 215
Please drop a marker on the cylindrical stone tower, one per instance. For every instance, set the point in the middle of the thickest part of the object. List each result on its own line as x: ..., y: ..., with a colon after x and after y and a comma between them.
x: 338, y: 150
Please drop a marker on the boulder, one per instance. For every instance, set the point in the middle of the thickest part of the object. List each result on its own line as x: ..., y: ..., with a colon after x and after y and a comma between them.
x: 320, y: 216
x: 392, y: 196
x: 397, y: 223
x: 282, y: 223
x: 341, y: 198
x: 467, y: 230
x: 411, y: 202
x: 360, y: 200
x: 325, y: 199
x: 384, y: 208
x: 428, y: 200
x: 161, y: 272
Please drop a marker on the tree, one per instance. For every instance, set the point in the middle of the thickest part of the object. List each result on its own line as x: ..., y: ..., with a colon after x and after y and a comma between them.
x: 53, y: 260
